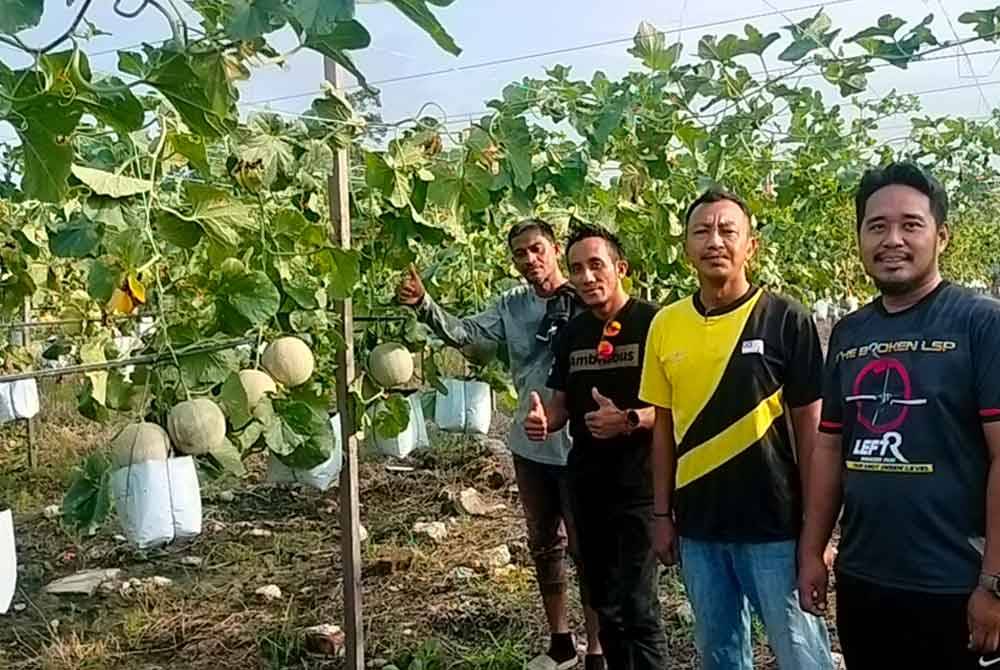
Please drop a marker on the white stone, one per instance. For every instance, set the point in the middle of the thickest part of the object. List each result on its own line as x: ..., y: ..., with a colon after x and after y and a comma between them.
x: 471, y: 502
x: 20, y: 607
x: 362, y: 534
x: 226, y: 496
x: 462, y: 573
x: 192, y: 561
x: 269, y: 592
x: 161, y: 581
x: 435, y: 530
x: 82, y: 583
x: 260, y: 532
x: 497, y: 557
x: 52, y: 512
x: 120, y: 538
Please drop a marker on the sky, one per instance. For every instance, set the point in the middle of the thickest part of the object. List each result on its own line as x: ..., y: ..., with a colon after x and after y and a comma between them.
x: 517, y: 29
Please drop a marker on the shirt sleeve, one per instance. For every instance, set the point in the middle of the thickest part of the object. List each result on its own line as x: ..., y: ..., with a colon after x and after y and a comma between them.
x: 655, y: 387
x: 487, y: 326
x: 986, y: 362
x: 804, y: 363
x: 832, y: 418
x: 559, y: 374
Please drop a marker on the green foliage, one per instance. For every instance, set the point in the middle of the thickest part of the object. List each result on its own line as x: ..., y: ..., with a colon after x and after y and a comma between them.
x: 88, y: 501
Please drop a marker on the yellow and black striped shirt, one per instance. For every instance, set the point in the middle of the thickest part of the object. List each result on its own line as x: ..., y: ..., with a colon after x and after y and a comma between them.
x: 727, y: 376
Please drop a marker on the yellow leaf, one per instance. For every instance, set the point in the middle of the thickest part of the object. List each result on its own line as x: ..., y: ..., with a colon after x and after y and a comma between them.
x: 120, y: 303
x: 136, y: 290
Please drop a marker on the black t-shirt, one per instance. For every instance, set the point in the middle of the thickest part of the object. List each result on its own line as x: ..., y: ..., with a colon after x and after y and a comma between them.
x: 577, y: 369
x: 909, y: 392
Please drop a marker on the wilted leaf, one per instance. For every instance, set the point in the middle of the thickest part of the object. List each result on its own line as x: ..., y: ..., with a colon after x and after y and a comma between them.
x: 109, y: 184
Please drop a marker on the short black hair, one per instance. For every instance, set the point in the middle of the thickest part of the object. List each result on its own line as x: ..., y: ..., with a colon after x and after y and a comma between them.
x: 540, y: 226
x: 903, y: 173
x: 582, y: 231
x: 717, y: 194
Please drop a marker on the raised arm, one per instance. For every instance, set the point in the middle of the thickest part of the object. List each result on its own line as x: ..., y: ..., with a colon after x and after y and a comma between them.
x: 487, y: 326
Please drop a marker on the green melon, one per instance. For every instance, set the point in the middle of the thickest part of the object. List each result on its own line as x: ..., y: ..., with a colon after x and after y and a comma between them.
x: 391, y: 365
x: 197, y: 426
x: 138, y: 443
x: 289, y: 361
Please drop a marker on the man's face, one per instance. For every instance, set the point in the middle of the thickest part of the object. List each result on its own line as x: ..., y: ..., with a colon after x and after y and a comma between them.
x: 719, y: 242
x: 536, y: 257
x: 594, y: 272
x: 900, y: 241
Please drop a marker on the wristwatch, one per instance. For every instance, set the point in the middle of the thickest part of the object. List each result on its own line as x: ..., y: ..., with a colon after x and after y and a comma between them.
x: 631, y: 420
x: 991, y: 583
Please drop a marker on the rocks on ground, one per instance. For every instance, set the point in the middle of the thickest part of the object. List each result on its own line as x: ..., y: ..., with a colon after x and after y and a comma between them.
x: 470, y: 501
x: 84, y: 582
x: 325, y: 639
x: 269, y: 592
x: 435, y: 530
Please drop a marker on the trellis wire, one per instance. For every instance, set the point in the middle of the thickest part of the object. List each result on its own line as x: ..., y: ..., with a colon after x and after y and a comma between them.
x: 149, y: 359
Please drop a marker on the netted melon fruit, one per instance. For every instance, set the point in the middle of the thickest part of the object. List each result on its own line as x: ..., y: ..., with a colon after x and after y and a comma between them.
x: 138, y: 443
x: 256, y: 384
x: 289, y: 361
x: 391, y: 364
x: 196, y: 426
x: 480, y: 353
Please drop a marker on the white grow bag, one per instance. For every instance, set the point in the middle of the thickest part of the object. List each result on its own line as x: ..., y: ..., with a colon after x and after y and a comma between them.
x: 158, y: 501
x: 320, y: 477
x: 18, y: 400
x: 8, y: 560
x: 467, y: 408
x: 413, y: 437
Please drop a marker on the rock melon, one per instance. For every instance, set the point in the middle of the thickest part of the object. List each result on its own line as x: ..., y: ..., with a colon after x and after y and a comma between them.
x: 289, y: 361
x: 138, y: 443
x: 196, y: 426
x: 257, y: 384
x: 391, y: 364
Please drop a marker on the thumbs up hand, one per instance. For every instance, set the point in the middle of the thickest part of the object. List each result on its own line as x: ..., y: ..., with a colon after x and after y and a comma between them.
x: 607, y: 420
x: 536, y: 423
x: 411, y: 289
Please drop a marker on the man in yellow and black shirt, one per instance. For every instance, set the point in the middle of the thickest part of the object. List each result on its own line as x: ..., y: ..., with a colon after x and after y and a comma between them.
x: 723, y: 368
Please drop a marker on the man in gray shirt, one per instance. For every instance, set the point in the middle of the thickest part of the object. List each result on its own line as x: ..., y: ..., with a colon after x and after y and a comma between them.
x: 525, y: 320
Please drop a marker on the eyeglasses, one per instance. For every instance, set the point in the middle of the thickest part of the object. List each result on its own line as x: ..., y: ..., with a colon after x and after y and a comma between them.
x: 605, y: 349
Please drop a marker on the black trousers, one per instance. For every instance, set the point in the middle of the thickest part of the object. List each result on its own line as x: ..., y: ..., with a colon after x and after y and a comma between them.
x: 883, y: 628
x: 620, y: 570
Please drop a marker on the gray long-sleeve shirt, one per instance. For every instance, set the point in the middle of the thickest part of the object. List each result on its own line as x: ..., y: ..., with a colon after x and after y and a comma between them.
x: 511, y: 321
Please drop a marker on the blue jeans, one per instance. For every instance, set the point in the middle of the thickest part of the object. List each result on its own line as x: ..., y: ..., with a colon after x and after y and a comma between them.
x: 723, y: 580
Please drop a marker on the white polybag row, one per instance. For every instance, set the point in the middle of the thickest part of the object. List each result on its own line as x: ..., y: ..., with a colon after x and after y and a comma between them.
x: 466, y: 408
x: 8, y: 560
x: 158, y: 501
x: 18, y: 400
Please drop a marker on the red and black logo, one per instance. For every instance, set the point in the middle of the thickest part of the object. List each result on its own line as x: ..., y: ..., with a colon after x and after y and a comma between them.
x: 884, y: 395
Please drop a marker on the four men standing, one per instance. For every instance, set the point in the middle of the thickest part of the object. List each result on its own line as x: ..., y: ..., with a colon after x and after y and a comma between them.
x: 725, y: 419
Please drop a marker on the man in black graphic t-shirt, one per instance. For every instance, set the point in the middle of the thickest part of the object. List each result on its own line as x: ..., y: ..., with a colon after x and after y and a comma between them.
x: 595, y: 376
x: 911, y: 423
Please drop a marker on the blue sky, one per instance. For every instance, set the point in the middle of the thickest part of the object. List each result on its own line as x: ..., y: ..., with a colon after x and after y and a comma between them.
x: 489, y: 31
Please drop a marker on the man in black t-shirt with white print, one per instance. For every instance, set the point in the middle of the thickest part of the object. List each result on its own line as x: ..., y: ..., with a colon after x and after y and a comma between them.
x: 595, y: 378
x: 911, y: 445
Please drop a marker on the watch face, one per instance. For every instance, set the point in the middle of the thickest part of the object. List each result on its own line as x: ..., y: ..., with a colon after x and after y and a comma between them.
x: 633, y: 418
